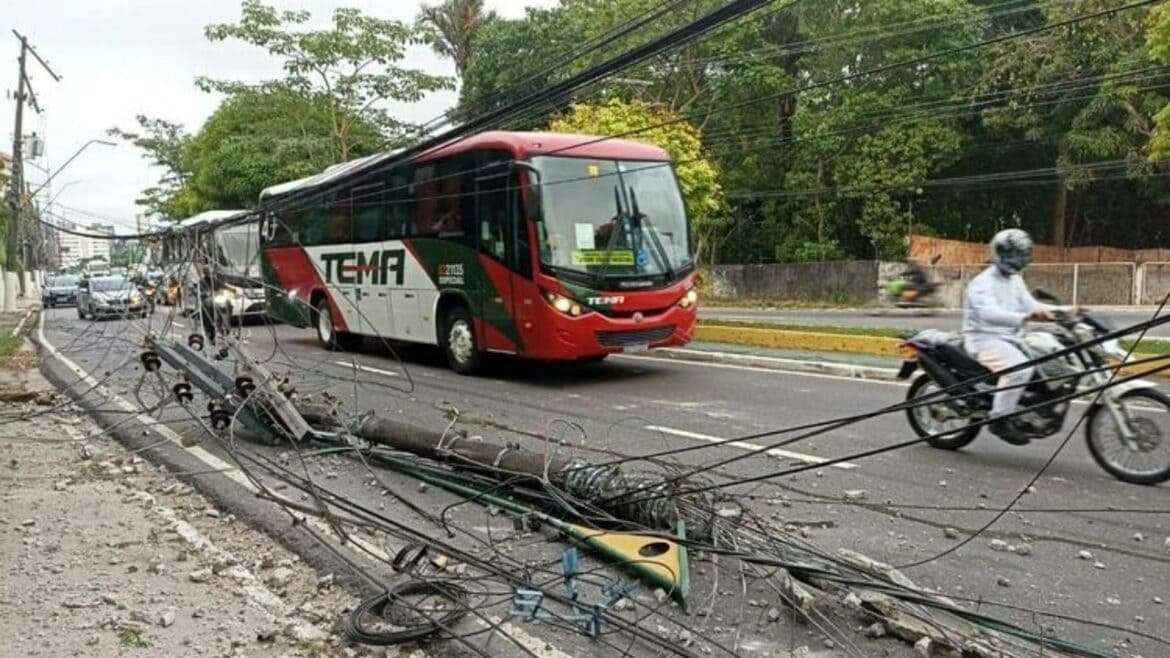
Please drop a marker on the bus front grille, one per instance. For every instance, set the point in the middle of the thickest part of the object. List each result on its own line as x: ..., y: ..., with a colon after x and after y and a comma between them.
x: 634, y: 337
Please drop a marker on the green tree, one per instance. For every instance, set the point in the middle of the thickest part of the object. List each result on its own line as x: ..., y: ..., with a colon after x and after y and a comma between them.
x: 353, y: 66
x: 1084, y: 96
x: 450, y: 28
x: 164, y: 144
x: 1158, y: 41
x: 259, y: 138
x: 513, y: 58
x: 697, y: 175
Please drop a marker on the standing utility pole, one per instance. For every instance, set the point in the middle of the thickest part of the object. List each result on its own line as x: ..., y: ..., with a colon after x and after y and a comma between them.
x: 16, y: 185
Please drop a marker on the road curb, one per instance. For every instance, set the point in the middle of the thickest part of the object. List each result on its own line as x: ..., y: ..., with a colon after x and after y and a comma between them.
x: 848, y: 370
x: 840, y: 343
x: 226, y: 494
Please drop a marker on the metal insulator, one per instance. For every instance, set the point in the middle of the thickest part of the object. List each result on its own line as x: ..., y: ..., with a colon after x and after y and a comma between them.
x: 183, y: 392
x: 220, y: 419
x: 150, y: 361
x: 245, y: 387
x: 195, y: 342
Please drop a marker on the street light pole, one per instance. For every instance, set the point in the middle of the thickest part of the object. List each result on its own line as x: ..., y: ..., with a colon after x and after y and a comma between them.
x: 24, y: 93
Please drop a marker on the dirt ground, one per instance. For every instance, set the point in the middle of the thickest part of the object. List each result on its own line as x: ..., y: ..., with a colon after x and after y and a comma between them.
x: 102, y: 554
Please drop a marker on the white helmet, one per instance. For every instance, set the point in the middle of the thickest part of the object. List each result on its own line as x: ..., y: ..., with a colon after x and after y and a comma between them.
x: 1011, y: 250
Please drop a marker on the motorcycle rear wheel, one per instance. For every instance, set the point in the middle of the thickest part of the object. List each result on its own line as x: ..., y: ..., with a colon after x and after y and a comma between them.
x: 1152, y: 421
x: 927, y: 427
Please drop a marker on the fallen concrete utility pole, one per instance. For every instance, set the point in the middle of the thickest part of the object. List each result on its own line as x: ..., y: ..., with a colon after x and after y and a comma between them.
x: 656, y: 507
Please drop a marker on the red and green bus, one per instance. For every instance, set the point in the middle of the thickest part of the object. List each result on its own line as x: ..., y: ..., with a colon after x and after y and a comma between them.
x: 543, y: 245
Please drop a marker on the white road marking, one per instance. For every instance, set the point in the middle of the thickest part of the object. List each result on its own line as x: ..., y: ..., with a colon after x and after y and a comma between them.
x: 536, y: 645
x: 773, y: 371
x: 743, y: 445
x: 377, y: 371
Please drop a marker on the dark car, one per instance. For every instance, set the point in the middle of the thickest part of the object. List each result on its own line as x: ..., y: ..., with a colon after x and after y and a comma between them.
x: 110, y: 296
x: 60, y: 290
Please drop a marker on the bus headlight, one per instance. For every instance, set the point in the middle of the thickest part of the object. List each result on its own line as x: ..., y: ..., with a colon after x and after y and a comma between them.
x: 690, y: 299
x: 564, y: 304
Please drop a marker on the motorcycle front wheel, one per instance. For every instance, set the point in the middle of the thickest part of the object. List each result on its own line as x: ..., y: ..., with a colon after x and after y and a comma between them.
x: 928, y: 421
x: 1146, y: 458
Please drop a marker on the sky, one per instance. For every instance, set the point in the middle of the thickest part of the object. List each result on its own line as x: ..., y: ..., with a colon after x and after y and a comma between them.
x: 121, y: 58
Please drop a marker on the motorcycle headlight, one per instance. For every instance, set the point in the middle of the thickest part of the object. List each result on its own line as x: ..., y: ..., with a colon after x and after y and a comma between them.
x: 135, y: 298
x: 689, y: 299
x: 564, y: 304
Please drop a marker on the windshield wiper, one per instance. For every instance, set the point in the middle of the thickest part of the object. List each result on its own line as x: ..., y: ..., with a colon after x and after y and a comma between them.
x: 638, y: 218
x: 615, y: 225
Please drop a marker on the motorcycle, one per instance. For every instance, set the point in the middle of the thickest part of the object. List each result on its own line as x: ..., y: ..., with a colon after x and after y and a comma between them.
x: 1127, y: 428
x: 912, y: 288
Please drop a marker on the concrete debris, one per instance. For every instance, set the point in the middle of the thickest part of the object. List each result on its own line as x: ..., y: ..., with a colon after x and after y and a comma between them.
x: 774, y: 614
x: 279, y: 578
x: 923, y: 647
x: 1022, y: 549
x: 200, y: 576
x: 950, y: 533
x: 875, y: 630
x: 999, y: 545
x: 854, y: 494
x: 1085, y: 555
x: 166, y: 619
x: 1002, y: 581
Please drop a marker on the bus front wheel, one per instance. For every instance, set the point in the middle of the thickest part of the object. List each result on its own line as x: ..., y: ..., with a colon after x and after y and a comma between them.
x: 328, y: 335
x: 459, y: 342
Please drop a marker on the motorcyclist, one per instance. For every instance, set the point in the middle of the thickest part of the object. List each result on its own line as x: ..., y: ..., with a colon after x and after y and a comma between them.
x: 996, y: 304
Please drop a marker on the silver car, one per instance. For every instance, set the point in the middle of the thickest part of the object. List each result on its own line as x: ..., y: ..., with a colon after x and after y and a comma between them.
x: 109, y: 296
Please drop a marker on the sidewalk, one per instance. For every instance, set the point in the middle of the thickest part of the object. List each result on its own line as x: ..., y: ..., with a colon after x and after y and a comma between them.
x: 105, y: 555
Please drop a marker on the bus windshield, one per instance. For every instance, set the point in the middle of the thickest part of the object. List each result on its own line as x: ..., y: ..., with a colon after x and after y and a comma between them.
x: 611, y: 218
x: 239, y: 248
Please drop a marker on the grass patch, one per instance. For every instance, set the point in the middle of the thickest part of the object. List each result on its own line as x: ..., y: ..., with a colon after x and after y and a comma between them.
x: 9, y: 345
x: 843, y: 301
x: 876, y: 332
x: 1150, y: 347
x: 132, y: 639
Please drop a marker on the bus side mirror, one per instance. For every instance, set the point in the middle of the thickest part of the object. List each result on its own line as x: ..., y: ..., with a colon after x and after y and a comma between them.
x: 531, y: 194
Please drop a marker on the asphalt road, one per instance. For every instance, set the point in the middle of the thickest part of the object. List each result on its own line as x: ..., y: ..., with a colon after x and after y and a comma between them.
x: 905, y: 319
x: 638, y: 405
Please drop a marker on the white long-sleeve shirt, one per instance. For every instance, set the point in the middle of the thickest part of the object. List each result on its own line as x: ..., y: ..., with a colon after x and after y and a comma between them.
x: 997, y: 304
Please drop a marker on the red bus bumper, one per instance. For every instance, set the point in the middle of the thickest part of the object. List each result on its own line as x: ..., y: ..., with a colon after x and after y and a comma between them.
x: 559, y: 337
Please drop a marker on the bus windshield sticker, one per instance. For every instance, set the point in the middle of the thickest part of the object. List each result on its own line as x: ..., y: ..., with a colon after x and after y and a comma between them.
x: 602, y: 257
x: 585, y: 236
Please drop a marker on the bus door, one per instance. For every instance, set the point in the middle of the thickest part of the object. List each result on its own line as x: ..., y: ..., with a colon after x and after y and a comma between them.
x: 371, y: 286
x: 495, y: 211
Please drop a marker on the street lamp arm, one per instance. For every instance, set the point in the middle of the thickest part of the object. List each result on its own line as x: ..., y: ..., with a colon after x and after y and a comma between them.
x: 71, y: 159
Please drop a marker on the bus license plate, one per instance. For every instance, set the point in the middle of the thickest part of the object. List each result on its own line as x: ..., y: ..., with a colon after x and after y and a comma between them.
x: 638, y: 347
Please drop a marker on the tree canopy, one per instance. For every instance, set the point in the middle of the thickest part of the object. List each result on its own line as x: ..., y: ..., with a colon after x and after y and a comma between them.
x: 1062, y: 131
x: 331, y: 105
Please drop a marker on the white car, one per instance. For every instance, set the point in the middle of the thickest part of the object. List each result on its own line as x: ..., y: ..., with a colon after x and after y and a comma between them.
x: 109, y: 296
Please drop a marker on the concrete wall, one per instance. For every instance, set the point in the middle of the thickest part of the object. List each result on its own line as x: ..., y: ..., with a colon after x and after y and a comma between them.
x: 840, y: 281
x: 958, y: 252
x: 1154, y: 281
x: 1092, y: 284
x: 858, y: 282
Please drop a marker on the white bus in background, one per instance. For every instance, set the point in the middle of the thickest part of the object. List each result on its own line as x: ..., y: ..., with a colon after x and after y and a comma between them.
x: 233, y: 250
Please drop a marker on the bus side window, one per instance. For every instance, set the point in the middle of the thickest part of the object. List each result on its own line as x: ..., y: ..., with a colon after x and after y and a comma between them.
x: 500, y: 227
x: 399, y: 199
x: 425, y: 190
x: 368, y: 213
x: 339, y: 220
